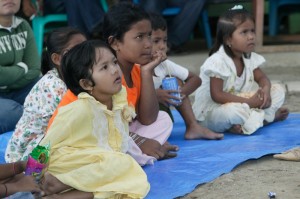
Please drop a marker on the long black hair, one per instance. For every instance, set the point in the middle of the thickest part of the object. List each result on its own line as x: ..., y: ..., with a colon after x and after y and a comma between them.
x: 78, y: 63
x: 119, y: 19
x: 57, y: 42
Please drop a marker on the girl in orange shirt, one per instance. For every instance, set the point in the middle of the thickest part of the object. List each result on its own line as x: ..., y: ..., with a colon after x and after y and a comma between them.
x: 128, y: 31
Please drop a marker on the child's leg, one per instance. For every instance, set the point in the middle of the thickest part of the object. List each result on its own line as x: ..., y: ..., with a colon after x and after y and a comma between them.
x: 275, y: 112
x: 230, y: 115
x: 159, y: 130
x: 193, y: 129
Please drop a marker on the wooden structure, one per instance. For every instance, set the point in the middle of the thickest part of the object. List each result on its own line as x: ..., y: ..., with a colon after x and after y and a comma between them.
x: 258, y: 8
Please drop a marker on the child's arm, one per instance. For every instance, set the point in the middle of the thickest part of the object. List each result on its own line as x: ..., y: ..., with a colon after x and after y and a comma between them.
x: 148, y: 105
x: 20, y: 183
x: 265, y: 85
x: 11, y: 169
x: 191, y: 84
x: 221, y: 97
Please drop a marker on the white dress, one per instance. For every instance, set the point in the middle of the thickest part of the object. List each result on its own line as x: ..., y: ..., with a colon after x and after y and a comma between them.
x: 220, y: 117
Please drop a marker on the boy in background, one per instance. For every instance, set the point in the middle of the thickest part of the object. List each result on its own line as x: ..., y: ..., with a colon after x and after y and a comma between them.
x: 187, y: 80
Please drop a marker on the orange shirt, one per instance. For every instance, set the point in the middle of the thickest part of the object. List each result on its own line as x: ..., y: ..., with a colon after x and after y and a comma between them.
x: 133, y: 93
x: 68, y: 98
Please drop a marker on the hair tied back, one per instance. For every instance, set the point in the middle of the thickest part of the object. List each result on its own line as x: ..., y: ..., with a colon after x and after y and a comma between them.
x: 237, y: 7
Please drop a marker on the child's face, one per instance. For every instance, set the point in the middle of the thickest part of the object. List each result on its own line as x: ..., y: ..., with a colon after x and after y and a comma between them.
x: 9, y: 7
x: 106, y: 75
x: 136, y: 46
x: 243, y: 38
x: 159, y: 40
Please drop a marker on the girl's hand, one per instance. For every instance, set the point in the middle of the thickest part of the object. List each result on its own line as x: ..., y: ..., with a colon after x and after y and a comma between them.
x: 155, y: 149
x: 161, y: 54
x: 26, y: 184
x: 267, y: 100
x: 164, y: 97
x: 256, y: 100
x: 157, y: 58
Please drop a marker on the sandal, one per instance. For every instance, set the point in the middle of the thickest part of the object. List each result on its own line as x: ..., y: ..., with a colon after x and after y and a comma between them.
x: 290, y: 155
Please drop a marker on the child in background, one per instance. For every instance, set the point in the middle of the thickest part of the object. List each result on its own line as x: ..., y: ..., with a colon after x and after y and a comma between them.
x: 19, y: 64
x: 128, y: 31
x: 14, y: 183
x: 236, y: 95
x: 44, y: 97
x: 187, y: 80
x: 89, y: 137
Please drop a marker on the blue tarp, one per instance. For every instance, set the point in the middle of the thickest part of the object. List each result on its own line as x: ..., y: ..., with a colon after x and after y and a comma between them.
x: 201, y: 161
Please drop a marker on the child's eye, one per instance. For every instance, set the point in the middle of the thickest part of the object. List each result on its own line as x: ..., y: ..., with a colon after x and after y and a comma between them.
x: 116, y: 62
x: 155, y: 41
x: 139, y: 37
x: 104, y: 67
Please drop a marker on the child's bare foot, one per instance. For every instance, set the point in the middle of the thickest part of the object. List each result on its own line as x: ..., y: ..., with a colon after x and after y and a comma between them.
x: 195, y: 131
x: 236, y: 129
x: 281, y: 114
x: 51, y: 185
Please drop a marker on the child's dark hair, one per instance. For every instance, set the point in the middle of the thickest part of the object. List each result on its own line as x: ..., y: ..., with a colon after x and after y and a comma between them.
x: 57, y: 41
x: 119, y: 19
x: 158, y: 22
x: 227, y: 24
x: 78, y: 64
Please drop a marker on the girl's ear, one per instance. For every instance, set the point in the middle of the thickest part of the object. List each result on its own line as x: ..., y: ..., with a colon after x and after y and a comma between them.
x: 228, y: 41
x: 113, y: 42
x: 86, y: 84
x: 56, y: 59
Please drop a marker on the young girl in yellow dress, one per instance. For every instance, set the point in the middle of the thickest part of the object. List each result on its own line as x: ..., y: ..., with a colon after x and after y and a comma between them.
x: 89, y: 137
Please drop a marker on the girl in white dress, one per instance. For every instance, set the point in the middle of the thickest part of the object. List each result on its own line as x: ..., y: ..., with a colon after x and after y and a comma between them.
x: 236, y: 95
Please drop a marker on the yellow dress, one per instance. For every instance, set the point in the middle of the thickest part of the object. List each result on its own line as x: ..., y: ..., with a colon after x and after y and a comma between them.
x: 88, y: 146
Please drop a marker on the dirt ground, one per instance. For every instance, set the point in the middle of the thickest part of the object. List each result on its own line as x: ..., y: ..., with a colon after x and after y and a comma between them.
x: 254, y: 179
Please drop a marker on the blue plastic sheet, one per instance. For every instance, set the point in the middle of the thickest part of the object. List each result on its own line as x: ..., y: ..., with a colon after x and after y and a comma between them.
x: 201, y: 161
x: 3, y: 143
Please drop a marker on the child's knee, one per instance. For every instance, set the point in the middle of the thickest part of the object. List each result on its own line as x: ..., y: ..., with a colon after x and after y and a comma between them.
x: 165, y: 122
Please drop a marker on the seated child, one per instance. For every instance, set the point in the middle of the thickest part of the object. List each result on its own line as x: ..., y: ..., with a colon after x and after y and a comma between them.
x: 44, y: 97
x: 188, y: 82
x: 128, y: 30
x: 89, y: 137
x: 236, y: 95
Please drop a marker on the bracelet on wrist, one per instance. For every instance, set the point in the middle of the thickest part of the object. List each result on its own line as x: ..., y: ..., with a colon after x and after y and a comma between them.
x: 141, y: 141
